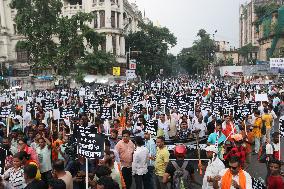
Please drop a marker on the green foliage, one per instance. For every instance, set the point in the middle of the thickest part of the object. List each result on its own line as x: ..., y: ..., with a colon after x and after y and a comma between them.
x: 265, y: 9
x: 244, y: 51
x: 199, y: 56
x: 98, y: 62
x: 278, y: 53
x: 40, y: 21
x: 230, y: 61
x: 37, y: 20
x: 22, y: 46
x: 266, y: 24
x: 153, y: 43
x: 225, y: 62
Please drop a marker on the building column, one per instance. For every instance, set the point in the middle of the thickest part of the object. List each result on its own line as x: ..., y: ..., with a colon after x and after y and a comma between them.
x: 109, y: 43
x: 122, y: 45
x: 108, y: 13
x: 2, y: 14
x: 115, y: 20
x: 117, y: 45
x: 120, y: 2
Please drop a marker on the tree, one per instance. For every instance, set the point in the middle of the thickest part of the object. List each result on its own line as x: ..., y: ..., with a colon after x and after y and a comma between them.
x: 265, y: 9
x: 153, y: 44
x: 71, y: 47
x: 37, y: 21
x: 246, y: 50
x: 98, y: 62
x: 196, y: 58
x: 54, y: 41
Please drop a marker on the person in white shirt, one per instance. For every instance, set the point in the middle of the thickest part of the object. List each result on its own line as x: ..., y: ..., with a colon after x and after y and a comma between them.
x: 215, y: 165
x: 200, y: 127
x: 44, y: 156
x: 233, y: 177
x: 140, y: 162
x: 15, y: 174
x: 163, y: 127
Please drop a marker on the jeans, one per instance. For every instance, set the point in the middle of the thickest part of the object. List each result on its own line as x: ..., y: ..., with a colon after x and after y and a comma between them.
x: 140, y: 181
x: 127, y: 175
x: 149, y: 184
x: 257, y: 144
x: 159, y: 182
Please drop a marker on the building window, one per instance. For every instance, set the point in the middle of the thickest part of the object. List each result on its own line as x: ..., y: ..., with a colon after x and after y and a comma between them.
x: 102, y: 19
x: 114, y: 44
x: 75, y: 2
x: 112, y: 19
x: 22, y: 56
x: 118, y: 16
x: 95, y: 19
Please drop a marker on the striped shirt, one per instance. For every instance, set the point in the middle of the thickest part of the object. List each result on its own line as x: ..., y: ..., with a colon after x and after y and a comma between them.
x: 16, y: 177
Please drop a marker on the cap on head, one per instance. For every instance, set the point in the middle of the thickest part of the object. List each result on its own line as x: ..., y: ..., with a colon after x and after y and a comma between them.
x: 211, y: 148
x: 180, y: 150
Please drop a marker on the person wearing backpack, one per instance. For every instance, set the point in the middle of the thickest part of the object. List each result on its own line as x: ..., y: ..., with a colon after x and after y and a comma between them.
x: 161, y: 162
x: 180, y: 173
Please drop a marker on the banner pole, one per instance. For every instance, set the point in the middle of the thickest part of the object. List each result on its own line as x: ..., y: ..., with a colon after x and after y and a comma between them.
x: 87, y: 174
x: 279, y: 148
x: 58, y: 125
x: 8, y: 126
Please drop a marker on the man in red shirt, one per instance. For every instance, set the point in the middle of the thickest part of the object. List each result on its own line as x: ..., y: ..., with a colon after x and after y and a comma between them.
x: 275, y: 180
x: 238, y: 150
x: 228, y: 128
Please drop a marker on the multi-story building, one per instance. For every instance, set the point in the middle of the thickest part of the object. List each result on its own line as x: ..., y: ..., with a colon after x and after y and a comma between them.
x: 261, y: 2
x: 251, y: 29
x: 114, y: 18
x: 247, y: 17
x: 225, y: 54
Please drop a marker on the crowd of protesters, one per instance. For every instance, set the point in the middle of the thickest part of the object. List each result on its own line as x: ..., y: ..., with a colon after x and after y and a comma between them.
x: 39, y: 151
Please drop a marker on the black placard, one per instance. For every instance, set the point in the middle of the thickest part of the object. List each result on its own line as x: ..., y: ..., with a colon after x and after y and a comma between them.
x: 152, y: 127
x: 106, y: 113
x: 90, y: 145
x: 66, y: 112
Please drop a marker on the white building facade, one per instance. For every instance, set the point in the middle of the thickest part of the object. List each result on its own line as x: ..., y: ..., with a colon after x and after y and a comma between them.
x: 114, y: 18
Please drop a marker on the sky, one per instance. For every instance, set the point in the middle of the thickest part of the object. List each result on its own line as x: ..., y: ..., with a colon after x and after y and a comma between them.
x: 184, y: 18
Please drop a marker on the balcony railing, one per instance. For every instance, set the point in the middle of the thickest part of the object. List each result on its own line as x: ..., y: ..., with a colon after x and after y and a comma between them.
x: 97, y: 3
x: 72, y: 9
